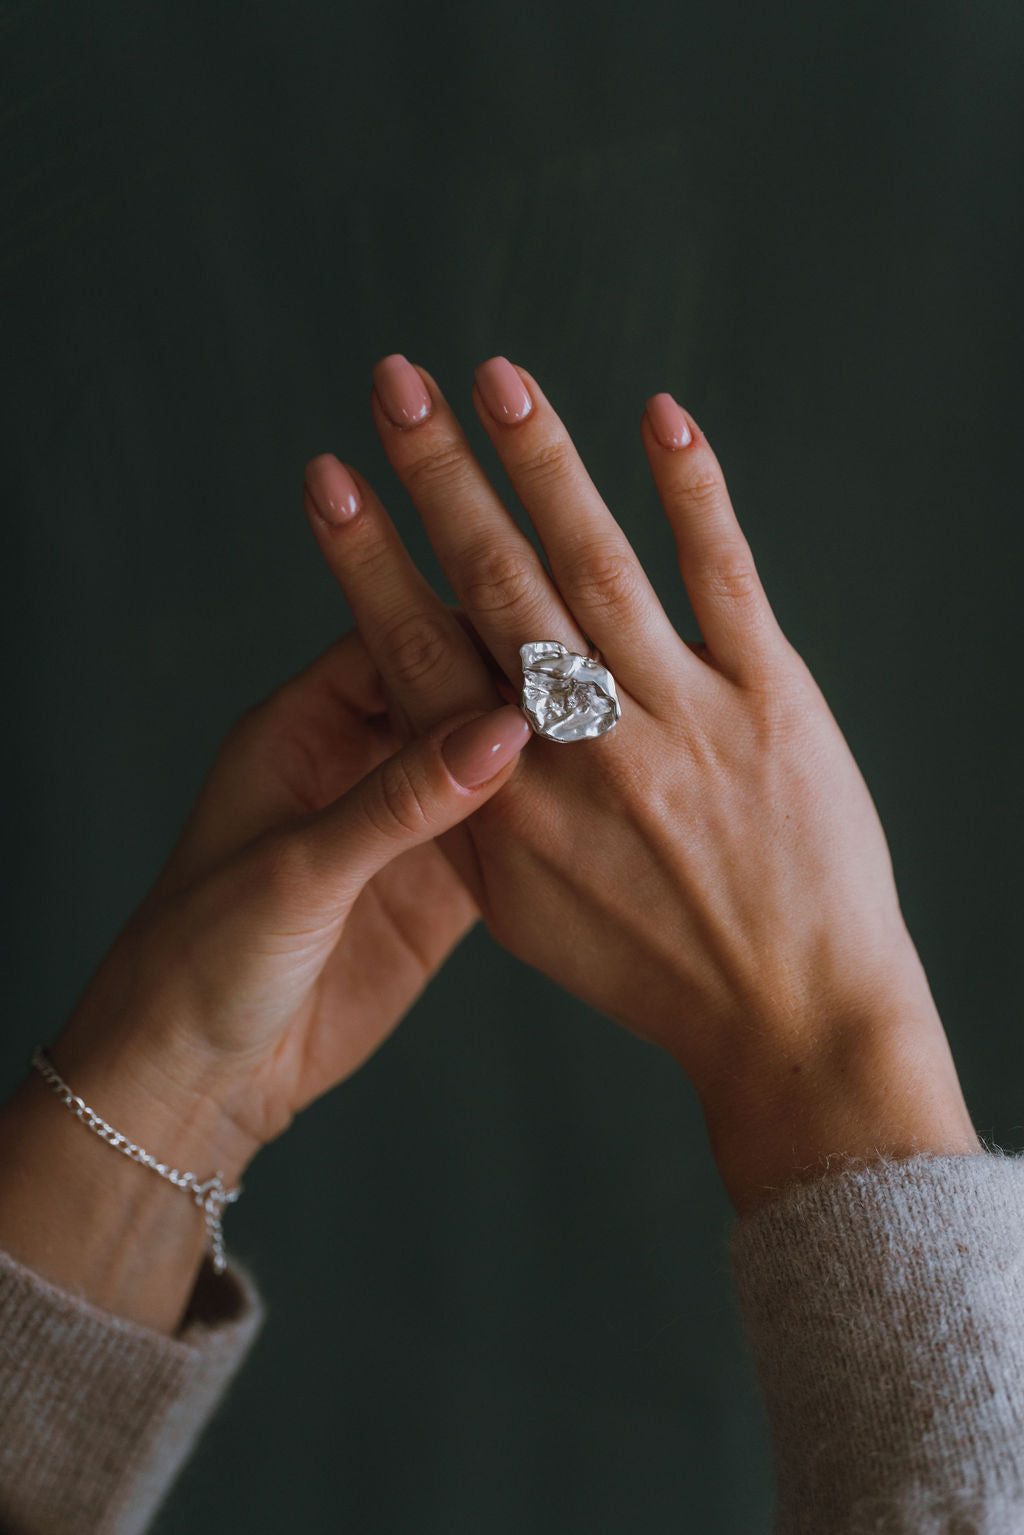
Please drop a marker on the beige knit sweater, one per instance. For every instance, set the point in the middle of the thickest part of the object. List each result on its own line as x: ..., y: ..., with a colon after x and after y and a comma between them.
x: 884, y: 1306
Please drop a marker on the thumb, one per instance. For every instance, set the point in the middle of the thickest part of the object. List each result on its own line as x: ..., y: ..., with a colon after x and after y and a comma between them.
x: 421, y: 791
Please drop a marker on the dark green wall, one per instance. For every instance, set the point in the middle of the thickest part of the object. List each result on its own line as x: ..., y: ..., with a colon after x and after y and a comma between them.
x: 495, y: 1260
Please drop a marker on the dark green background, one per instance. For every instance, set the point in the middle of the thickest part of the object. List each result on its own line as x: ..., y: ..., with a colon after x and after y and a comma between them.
x: 496, y: 1259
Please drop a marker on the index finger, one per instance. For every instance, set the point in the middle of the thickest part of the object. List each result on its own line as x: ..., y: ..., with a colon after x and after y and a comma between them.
x: 422, y: 652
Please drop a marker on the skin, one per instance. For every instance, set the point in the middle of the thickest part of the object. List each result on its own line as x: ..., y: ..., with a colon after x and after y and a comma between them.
x: 711, y: 873
x: 299, y: 916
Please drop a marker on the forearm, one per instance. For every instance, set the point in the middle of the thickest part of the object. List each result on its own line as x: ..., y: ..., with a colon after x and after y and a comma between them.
x: 86, y: 1217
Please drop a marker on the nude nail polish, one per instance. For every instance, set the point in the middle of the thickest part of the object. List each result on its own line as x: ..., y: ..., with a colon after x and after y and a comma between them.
x: 401, y: 391
x: 668, y: 421
x: 503, y: 391
x: 474, y: 753
x: 332, y: 491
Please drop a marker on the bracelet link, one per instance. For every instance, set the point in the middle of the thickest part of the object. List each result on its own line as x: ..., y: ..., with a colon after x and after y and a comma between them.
x: 210, y: 1196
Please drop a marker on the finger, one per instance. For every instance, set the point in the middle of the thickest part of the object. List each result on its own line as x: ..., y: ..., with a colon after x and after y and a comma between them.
x: 416, y: 795
x: 593, y: 564
x: 328, y: 707
x: 341, y: 681
x: 717, y: 566
x: 419, y: 648
x: 499, y: 681
x: 346, y: 671
x: 496, y: 574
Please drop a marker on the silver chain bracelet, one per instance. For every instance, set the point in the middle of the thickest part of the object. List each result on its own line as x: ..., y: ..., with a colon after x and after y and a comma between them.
x: 211, y: 1196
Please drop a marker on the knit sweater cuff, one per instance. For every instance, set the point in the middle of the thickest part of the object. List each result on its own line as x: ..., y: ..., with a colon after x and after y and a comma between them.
x: 97, y: 1413
x: 885, y: 1310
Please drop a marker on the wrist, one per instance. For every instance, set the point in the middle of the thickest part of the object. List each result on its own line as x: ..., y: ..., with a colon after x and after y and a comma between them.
x: 87, y: 1217
x: 879, y: 1088
x: 160, y: 1095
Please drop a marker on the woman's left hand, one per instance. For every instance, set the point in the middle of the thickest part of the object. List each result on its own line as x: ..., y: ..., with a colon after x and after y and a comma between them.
x: 711, y: 872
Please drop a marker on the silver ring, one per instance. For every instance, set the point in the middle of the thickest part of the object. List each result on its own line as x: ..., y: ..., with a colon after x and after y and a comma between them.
x: 567, y: 697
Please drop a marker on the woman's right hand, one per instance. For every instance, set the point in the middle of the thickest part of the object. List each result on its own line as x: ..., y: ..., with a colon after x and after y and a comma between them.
x: 712, y: 872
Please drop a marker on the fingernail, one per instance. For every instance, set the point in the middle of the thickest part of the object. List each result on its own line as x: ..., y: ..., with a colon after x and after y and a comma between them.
x: 669, y: 423
x: 331, y: 490
x: 475, y: 752
x: 401, y: 391
x: 503, y: 391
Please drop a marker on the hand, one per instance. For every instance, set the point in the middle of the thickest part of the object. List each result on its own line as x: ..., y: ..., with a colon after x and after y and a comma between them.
x: 712, y: 872
x: 303, y: 909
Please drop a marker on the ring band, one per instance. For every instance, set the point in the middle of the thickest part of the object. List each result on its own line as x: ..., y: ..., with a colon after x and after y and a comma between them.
x: 567, y: 697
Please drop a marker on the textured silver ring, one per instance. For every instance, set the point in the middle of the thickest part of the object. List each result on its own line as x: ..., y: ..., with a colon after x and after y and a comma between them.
x: 567, y: 697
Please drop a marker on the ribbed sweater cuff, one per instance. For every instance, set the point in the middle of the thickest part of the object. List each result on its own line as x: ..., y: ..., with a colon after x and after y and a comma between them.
x: 885, y: 1310
x: 97, y: 1414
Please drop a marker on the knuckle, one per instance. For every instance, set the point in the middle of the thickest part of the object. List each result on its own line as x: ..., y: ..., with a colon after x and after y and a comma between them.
x: 627, y: 783
x: 438, y: 465
x: 495, y: 580
x: 730, y: 574
x: 369, y: 554
x: 604, y: 580
x: 703, y: 490
x: 398, y: 806
x: 549, y: 463
x: 417, y: 649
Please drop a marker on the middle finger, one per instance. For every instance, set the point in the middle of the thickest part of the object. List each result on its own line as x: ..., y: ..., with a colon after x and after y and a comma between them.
x: 592, y: 562
x: 496, y: 574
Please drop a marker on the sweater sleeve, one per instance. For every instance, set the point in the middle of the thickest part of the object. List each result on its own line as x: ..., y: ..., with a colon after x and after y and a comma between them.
x: 884, y: 1305
x: 99, y: 1414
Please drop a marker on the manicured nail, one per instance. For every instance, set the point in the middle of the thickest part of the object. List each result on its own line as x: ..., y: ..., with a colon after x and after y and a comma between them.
x: 670, y: 425
x: 504, y: 392
x: 475, y: 752
x: 331, y: 490
x: 401, y: 391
